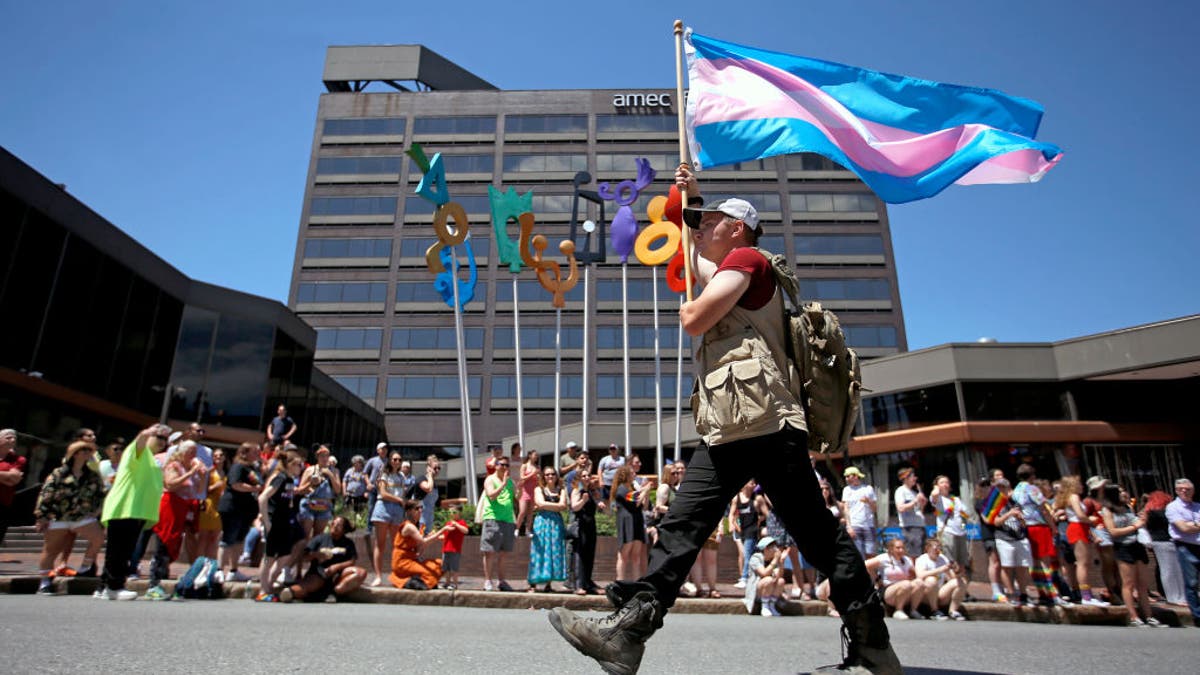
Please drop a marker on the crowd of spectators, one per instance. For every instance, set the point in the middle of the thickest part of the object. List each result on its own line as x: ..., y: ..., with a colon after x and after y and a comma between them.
x: 166, y: 492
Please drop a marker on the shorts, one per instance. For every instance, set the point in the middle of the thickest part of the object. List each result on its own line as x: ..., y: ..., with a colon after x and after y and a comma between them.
x: 1077, y: 532
x: 323, y: 592
x: 307, y: 514
x: 281, y: 539
x: 70, y: 524
x: 387, y: 512
x: 451, y: 561
x: 208, y: 520
x: 235, y: 525
x: 956, y: 548
x: 1041, y: 541
x: 989, y: 546
x: 497, y: 536
x: 1131, y: 553
x: 1014, y: 553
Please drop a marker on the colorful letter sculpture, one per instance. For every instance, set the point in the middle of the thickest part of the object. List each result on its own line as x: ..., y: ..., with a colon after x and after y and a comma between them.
x: 506, y: 206
x: 587, y: 256
x: 438, y: 257
x: 624, y: 224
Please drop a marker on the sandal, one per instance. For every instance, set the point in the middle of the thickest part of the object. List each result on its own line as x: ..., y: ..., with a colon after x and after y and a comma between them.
x: 714, y: 593
x: 580, y: 591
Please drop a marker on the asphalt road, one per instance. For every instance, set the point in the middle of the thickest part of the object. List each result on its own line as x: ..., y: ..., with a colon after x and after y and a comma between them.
x: 69, y: 634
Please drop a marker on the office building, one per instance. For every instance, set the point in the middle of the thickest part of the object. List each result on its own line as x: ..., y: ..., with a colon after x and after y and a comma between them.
x: 360, y: 276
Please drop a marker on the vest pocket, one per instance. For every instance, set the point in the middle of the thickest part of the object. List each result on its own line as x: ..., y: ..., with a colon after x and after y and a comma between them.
x: 736, y: 394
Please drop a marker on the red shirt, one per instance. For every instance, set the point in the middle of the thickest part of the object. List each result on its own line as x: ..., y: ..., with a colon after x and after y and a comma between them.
x: 762, y: 277
x: 454, y: 538
x: 10, y: 462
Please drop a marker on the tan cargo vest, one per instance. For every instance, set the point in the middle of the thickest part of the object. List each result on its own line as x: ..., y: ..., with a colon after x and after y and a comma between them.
x: 745, y: 384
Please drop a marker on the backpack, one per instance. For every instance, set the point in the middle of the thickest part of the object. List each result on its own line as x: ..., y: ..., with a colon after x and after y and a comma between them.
x: 831, y: 381
x: 201, y: 582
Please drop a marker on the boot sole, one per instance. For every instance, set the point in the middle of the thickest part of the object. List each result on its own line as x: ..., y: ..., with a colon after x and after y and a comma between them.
x: 607, y: 666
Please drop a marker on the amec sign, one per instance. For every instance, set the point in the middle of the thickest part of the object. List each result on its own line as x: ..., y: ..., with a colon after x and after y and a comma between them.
x: 641, y: 100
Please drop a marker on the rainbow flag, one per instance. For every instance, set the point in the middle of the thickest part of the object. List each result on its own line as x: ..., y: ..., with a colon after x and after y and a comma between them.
x: 906, y: 138
x: 993, y: 505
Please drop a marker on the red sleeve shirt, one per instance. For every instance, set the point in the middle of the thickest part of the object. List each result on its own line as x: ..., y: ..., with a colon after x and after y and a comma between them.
x: 762, y: 277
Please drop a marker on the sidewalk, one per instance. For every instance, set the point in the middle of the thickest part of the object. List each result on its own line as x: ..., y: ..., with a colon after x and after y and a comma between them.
x: 18, y: 575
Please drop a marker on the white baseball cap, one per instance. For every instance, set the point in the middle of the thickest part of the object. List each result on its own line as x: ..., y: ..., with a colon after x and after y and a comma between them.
x: 739, y: 209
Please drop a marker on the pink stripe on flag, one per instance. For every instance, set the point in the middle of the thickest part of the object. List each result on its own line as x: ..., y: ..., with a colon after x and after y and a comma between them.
x: 764, y: 92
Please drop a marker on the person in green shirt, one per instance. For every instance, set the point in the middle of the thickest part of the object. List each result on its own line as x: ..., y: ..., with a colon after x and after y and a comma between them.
x: 130, y: 507
x: 499, y: 525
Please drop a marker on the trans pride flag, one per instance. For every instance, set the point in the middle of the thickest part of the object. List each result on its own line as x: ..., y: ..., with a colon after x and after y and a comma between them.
x: 906, y: 138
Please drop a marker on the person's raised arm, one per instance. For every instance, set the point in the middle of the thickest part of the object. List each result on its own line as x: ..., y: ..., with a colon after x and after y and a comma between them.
x: 492, y: 487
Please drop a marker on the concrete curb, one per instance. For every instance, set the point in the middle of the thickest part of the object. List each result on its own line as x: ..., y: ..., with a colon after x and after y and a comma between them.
x: 975, y: 611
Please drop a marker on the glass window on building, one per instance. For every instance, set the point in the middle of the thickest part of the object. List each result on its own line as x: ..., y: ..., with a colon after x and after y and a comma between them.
x: 640, y: 337
x: 455, y: 164
x: 763, y: 201
x: 639, y: 290
x: 362, y: 386
x: 349, y: 338
x: 640, y: 386
x: 417, y: 291
x: 1015, y: 401
x: 772, y: 243
x: 472, y: 204
x: 844, y: 202
x: 909, y: 409
x: 422, y: 387
x: 866, y: 335
x: 665, y: 122
x: 454, y: 125
x: 342, y: 292
x: 544, y: 163
x: 237, y: 378
x: 846, y: 289
x: 352, y: 206
x: 348, y: 248
x: 537, y: 337
x: 536, y: 386
x: 627, y: 163
x: 838, y: 244
x: 532, y: 295
x: 545, y: 124
x: 808, y: 161
x: 358, y: 166
x: 367, y: 126
x: 432, y: 338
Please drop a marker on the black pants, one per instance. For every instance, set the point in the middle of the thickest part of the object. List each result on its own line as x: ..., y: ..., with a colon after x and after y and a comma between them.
x: 779, y: 462
x: 160, y: 564
x: 585, y: 552
x: 139, y: 549
x: 122, y: 537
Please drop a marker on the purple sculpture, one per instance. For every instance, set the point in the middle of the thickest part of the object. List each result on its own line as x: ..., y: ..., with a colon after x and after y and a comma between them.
x: 624, y: 224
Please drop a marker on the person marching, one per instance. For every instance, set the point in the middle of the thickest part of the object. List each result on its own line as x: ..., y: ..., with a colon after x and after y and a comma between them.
x: 752, y: 423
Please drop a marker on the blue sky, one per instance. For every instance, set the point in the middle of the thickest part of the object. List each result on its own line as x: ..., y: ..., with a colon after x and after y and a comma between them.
x: 189, y: 125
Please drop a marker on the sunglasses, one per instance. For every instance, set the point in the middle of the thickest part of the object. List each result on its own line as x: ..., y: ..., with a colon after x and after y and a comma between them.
x: 503, y: 464
x: 163, y: 438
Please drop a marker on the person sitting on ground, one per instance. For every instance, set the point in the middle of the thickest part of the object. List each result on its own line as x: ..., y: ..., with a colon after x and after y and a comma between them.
x: 456, y: 530
x: 410, y: 569
x: 1132, y: 562
x: 332, y: 572
x: 898, y: 579
x: 766, y: 564
x: 942, y: 580
x: 68, y: 505
x: 803, y: 574
x: 547, y: 552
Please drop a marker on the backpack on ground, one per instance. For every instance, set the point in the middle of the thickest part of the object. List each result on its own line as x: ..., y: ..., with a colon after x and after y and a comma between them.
x: 201, y: 582
x: 831, y: 381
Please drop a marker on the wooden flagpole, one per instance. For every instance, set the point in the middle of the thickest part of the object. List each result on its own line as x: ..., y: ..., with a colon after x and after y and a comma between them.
x: 683, y: 150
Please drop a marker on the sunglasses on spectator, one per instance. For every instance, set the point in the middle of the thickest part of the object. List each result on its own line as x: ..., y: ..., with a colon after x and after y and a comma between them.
x: 503, y: 464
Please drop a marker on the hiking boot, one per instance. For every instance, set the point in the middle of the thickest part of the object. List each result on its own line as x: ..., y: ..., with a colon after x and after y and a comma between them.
x: 617, y: 641
x: 865, y: 641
